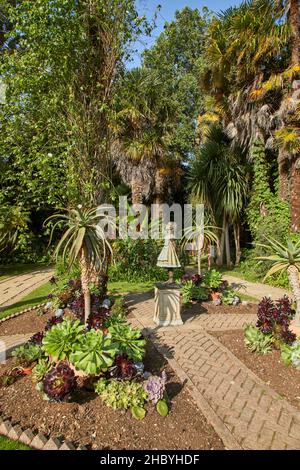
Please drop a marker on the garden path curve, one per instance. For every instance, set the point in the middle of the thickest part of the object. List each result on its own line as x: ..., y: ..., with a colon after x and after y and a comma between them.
x: 15, y: 288
x: 245, y: 411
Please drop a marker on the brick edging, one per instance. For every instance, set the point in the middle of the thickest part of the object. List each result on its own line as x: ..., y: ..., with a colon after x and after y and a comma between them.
x: 37, y: 441
x: 17, y: 314
x: 204, y: 406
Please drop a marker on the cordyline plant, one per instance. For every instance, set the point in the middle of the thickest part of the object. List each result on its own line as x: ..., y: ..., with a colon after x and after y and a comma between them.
x: 285, y: 258
x: 84, y: 240
x: 201, y: 236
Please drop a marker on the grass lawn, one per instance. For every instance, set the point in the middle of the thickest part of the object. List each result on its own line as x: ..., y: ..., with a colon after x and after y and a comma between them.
x: 124, y: 287
x: 37, y: 296
x: 8, y: 444
x: 15, y: 269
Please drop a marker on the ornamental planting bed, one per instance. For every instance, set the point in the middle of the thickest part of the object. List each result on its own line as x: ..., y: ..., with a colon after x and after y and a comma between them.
x: 285, y: 380
x: 86, y: 420
x: 98, y: 383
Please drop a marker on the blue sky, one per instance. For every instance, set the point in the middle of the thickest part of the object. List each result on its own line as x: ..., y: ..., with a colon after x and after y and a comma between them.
x: 148, y: 7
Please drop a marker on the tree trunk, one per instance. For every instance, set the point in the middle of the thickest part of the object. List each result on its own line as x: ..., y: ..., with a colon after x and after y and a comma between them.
x: 293, y: 274
x: 137, y: 191
x: 199, y: 261
x: 237, y: 241
x: 295, y: 196
x: 221, y: 245
x: 227, y: 246
x: 85, y: 280
x: 294, y: 25
x: 200, y: 248
x: 283, y: 170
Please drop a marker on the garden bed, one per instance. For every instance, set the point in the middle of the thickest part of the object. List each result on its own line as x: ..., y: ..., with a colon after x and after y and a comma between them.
x: 285, y: 380
x: 211, y: 309
x: 86, y: 420
x: 29, y: 322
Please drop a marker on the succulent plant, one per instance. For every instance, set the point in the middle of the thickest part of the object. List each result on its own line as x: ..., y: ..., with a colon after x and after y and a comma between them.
x: 197, y: 279
x: 59, y: 382
x: 40, y: 370
x: 295, y: 354
x: 93, y: 353
x: 27, y: 354
x: 212, y: 279
x: 121, y: 394
x: 97, y: 320
x: 37, y: 338
x: 257, y: 341
x: 52, y: 322
x: 155, y: 387
x: 129, y: 341
x: 60, y: 340
x: 122, y: 369
x: 274, y: 318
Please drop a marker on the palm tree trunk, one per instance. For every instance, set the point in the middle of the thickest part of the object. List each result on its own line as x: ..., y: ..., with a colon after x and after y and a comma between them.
x: 283, y: 175
x: 293, y: 274
x: 294, y: 25
x: 137, y: 191
x: 221, y: 245
x: 237, y: 241
x: 295, y: 196
x: 227, y: 246
x: 199, y: 261
x: 85, y: 280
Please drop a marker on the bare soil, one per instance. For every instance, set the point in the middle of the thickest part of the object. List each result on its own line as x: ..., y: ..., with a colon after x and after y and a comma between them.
x: 211, y: 309
x: 284, y: 380
x: 87, y: 421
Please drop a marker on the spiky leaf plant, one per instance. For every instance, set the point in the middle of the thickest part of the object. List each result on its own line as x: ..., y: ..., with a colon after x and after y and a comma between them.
x: 285, y: 258
x: 84, y: 240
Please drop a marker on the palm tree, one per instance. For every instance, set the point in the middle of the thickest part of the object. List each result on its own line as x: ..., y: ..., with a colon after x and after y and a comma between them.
x: 142, y: 132
x: 285, y: 258
x: 202, y: 235
x: 84, y: 240
x: 218, y: 179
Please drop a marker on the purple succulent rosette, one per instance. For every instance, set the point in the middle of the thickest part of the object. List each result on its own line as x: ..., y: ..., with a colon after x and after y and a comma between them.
x: 155, y: 387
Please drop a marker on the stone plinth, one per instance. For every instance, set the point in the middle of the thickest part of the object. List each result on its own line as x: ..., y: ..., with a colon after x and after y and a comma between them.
x: 167, y: 305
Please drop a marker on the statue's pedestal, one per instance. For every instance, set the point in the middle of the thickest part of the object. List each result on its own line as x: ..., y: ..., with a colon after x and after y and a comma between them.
x: 295, y: 328
x: 167, y: 305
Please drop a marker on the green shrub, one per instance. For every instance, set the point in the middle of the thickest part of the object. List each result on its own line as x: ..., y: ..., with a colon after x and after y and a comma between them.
x: 135, y: 260
x: 190, y: 291
x: 212, y: 279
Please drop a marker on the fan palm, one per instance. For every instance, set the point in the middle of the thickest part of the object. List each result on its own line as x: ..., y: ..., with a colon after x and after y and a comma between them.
x: 285, y: 258
x: 84, y: 240
x: 142, y: 132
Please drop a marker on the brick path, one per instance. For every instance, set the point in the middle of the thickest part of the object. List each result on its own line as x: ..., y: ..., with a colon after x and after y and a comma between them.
x: 9, y: 343
x: 258, y: 290
x: 244, y: 411
x: 15, y: 288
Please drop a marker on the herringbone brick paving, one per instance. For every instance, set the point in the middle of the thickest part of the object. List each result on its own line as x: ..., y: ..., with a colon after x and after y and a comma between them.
x: 254, y: 414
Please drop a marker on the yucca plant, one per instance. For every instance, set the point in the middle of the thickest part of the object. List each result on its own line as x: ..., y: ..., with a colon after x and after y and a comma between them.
x: 201, y: 235
x: 84, y: 240
x: 285, y: 258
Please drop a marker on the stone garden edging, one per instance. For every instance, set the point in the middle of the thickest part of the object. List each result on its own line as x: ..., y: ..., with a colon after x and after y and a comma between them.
x: 17, y: 314
x: 37, y: 441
